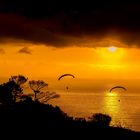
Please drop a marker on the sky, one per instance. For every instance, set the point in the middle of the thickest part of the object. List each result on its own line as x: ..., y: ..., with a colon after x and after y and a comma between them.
x: 96, y: 41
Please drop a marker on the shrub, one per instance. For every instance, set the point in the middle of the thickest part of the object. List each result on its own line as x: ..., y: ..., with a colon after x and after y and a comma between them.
x: 100, y: 119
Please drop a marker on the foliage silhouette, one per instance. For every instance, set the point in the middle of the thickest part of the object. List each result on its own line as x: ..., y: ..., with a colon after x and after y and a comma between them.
x: 9, y: 92
x: 19, y: 79
x: 37, y: 86
x: 44, y: 97
x: 100, y: 119
x: 38, y: 118
x: 12, y: 91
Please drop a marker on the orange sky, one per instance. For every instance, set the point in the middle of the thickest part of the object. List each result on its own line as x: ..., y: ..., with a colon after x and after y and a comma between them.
x: 83, y: 62
x: 46, y: 61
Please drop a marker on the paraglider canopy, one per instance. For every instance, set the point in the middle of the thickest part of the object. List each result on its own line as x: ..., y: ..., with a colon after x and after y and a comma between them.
x: 66, y: 75
x: 117, y: 87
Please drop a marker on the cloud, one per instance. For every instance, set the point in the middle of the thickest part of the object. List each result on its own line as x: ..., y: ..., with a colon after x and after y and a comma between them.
x: 2, y: 51
x: 72, y: 24
x: 25, y: 50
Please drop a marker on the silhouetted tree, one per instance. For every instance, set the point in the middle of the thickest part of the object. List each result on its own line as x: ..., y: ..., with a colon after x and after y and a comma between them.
x: 44, y: 97
x: 37, y: 86
x: 8, y: 92
x: 100, y: 119
x: 19, y: 81
x: 26, y: 98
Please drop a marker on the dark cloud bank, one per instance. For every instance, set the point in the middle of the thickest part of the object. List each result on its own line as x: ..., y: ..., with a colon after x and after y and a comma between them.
x: 59, y: 23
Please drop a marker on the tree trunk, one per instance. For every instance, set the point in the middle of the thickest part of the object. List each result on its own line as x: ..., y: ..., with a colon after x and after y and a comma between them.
x: 35, y: 95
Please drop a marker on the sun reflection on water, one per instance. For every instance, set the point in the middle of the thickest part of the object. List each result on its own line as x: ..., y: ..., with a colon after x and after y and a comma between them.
x: 112, y: 104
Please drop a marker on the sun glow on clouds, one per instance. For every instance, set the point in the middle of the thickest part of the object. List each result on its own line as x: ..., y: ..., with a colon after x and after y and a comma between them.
x: 85, y: 62
x: 110, y: 56
x: 112, y: 48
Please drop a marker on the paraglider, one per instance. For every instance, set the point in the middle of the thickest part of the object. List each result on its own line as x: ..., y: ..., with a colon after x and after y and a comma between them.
x: 117, y: 87
x: 67, y: 88
x: 66, y: 75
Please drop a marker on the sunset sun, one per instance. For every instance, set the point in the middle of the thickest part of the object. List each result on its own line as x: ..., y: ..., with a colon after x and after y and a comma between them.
x: 112, y: 49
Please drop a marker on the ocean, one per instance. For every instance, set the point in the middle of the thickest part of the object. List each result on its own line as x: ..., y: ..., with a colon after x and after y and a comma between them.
x: 124, y: 108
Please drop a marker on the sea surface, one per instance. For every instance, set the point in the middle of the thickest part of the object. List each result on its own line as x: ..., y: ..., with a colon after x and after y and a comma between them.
x: 124, y: 108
